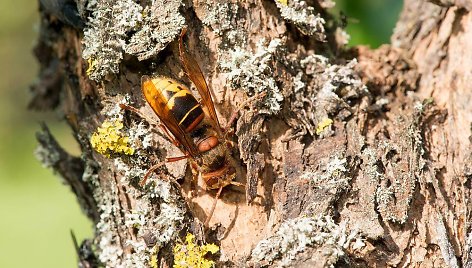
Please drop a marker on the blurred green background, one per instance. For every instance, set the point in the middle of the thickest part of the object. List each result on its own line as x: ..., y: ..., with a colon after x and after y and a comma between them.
x: 38, y: 211
x: 370, y: 22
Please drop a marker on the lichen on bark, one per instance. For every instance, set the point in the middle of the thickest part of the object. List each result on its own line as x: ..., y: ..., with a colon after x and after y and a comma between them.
x: 347, y: 159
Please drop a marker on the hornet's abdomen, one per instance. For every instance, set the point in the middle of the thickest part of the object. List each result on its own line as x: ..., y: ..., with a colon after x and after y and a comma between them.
x: 180, y: 100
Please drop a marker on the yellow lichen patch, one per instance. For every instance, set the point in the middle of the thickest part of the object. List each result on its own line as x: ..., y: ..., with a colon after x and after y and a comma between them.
x: 283, y: 2
x: 191, y: 255
x: 323, y: 125
x: 153, y: 262
x: 91, y: 66
x: 108, y: 139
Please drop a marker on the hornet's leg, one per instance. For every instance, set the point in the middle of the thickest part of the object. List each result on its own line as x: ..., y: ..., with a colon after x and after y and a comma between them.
x: 158, y: 165
x: 235, y: 114
x: 213, y: 207
x: 238, y: 184
x: 194, y: 181
x: 149, y: 172
x: 151, y: 121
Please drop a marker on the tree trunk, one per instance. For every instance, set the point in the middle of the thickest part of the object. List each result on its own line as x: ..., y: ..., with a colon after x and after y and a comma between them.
x: 351, y: 158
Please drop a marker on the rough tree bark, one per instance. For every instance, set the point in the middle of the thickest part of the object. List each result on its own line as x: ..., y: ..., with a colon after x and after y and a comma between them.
x: 354, y: 157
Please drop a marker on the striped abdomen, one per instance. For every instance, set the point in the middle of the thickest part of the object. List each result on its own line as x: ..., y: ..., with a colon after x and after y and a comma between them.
x: 181, y: 102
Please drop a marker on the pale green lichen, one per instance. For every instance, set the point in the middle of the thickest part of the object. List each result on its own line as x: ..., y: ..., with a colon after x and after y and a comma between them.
x: 132, y: 170
x: 372, y: 169
x: 320, y: 90
x: 163, y: 226
x: 327, y: 3
x: 219, y: 16
x: 336, y: 165
x: 332, y: 176
x: 254, y: 72
x: 156, y: 189
x: 341, y: 76
x: 383, y: 195
x: 106, y: 34
x: 303, y: 17
x: 224, y: 19
x: 161, y: 24
x: 141, y: 256
x: 191, y: 255
x: 108, y: 245
x: 297, y: 235
x: 136, y: 218
x: 48, y: 158
x: 395, y: 191
x: 443, y: 240
x: 342, y: 37
x: 124, y: 26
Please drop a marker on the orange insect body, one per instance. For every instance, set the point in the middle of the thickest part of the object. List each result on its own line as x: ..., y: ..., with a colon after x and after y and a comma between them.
x: 184, y: 116
x: 177, y: 98
x: 194, y: 125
